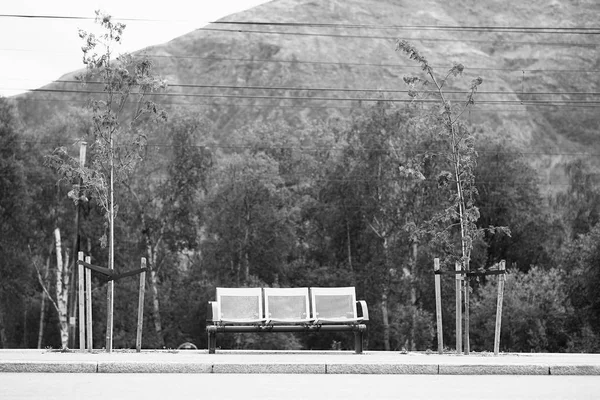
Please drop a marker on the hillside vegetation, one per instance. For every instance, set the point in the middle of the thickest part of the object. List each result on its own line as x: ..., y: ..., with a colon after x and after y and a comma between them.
x: 521, y: 66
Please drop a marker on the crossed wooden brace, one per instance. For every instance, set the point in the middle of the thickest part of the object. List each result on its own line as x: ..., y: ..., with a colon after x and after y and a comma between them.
x: 109, y: 274
x: 472, y: 273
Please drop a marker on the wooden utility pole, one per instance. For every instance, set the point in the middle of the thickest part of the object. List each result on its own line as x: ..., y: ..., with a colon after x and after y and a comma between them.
x: 110, y: 291
x: 501, y: 279
x: 438, y: 305
x: 458, y: 309
x: 80, y: 291
x: 466, y: 288
x: 140, y: 322
x: 73, y: 301
x: 88, y: 305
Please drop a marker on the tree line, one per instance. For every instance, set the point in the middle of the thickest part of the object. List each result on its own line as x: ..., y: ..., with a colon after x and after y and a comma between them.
x: 325, y: 205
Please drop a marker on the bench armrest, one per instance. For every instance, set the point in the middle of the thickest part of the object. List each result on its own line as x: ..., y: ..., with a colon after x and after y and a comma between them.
x: 212, y: 312
x: 362, y: 310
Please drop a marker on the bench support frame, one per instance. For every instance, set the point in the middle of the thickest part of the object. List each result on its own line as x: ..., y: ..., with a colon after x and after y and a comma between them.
x: 358, y: 329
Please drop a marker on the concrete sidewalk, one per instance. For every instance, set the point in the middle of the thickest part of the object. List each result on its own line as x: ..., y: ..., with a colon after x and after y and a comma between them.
x: 301, y: 362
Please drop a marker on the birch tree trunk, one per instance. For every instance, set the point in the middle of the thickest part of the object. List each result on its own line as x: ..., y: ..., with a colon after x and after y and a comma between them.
x: 385, y: 320
x: 43, y: 305
x: 384, y: 298
x: 62, y: 290
x: 245, y: 257
x: 413, y: 295
x: 349, y: 250
x: 42, y: 317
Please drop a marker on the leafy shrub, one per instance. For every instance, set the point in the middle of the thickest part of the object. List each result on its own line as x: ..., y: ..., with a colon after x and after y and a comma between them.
x: 535, y: 315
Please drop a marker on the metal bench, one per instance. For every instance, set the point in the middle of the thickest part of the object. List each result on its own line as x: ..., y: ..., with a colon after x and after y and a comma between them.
x: 264, y: 310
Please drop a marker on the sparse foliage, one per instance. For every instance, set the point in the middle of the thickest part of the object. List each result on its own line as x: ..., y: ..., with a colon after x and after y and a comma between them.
x: 463, y: 156
x: 462, y: 160
x: 117, y: 137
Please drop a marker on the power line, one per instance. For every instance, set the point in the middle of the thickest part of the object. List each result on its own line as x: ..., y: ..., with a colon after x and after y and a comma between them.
x: 419, y: 151
x: 74, y: 17
x: 281, y: 97
x: 544, y: 102
x: 332, y: 89
x: 477, y: 109
x: 468, y: 28
x: 412, y: 66
x: 393, y: 38
x: 31, y: 16
x: 340, y: 63
x: 230, y: 96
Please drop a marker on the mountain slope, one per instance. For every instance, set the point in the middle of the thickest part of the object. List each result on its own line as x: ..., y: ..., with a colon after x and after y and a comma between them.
x: 515, y: 64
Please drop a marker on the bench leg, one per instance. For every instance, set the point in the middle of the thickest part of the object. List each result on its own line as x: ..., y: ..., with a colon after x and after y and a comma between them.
x: 212, y: 341
x: 358, y: 342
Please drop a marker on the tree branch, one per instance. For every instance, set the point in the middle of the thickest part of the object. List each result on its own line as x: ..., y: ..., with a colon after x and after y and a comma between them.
x: 41, y: 281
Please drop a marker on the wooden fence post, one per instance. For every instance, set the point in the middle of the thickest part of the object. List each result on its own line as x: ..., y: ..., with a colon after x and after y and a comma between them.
x: 88, y: 305
x: 501, y: 279
x: 140, y: 321
x: 438, y: 305
x: 458, y: 309
x: 81, y: 302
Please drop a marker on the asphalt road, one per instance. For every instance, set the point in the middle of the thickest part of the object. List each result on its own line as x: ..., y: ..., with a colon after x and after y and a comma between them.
x: 265, y: 386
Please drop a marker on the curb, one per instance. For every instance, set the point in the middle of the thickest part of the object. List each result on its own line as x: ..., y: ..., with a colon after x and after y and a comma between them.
x: 298, y: 362
x: 494, y: 370
x: 575, y: 370
x: 147, y: 367
x: 278, y: 368
x: 86, y: 367
x: 384, y: 369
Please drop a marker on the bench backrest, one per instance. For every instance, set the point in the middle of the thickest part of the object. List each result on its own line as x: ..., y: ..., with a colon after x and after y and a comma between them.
x: 287, y: 304
x: 333, y: 304
x: 242, y: 305
x: 293, y: 305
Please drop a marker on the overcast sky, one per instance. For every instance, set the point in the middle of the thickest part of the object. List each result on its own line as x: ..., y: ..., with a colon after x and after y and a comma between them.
x: 36, y: 51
